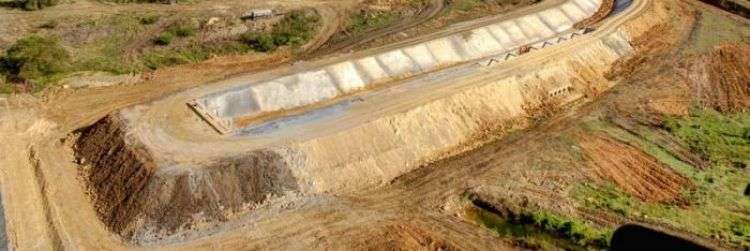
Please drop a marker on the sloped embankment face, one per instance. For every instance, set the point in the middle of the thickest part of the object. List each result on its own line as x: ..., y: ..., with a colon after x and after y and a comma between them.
x: 142, y: 201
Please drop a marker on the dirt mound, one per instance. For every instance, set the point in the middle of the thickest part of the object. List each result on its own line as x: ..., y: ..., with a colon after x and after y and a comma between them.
x: 118, y: 175
x: 636, y: 172
x: 142, y: 201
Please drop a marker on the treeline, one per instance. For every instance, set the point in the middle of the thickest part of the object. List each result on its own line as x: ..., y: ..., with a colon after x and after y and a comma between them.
x: 31, y: 4
x: 41, y: 4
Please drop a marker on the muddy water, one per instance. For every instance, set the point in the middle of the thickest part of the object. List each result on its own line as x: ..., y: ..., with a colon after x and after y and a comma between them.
x: 620, y: 6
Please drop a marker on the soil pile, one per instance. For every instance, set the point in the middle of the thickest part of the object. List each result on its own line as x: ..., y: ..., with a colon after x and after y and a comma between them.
x: 140, y: 201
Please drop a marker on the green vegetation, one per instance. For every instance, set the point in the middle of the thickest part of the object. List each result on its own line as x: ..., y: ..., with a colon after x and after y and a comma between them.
x: 723, y: 139
x: 543, y: 230
x: 30, y: 4
x: 295, y: 29
x: 115, y: 44
x: 147, y: 20
x: 259, y: 41
x: 165, y: 38
x: 466, y: 5
x: 713, y: 29
x: 35, y: 59
x: 717, y: 207
x: 178, y: 30
x: 365, y: 21
x: 191, y: 54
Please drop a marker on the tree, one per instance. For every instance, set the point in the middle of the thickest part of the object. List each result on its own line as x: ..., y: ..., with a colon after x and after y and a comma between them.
x: 37, y: 4
x: 35, y: 57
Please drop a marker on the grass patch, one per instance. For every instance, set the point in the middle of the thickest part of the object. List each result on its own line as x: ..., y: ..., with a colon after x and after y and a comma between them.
x: 192, y: 54
x: 466, y: 5
x: 713, y: 29
x: 717, y: 207
x: 364, y: 21
x: 178, y: 30
x: 723, y: 139
x: 148, y: 20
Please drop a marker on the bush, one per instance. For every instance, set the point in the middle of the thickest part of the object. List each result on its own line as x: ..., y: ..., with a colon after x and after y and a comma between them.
x: 37, y: 4
x: 259, y: 41
x: 149, y: 20
x: 294, y: 30
x: 365, y: 21
x: 35, y: 58
x: 183, y: 31
x: 165, y: 38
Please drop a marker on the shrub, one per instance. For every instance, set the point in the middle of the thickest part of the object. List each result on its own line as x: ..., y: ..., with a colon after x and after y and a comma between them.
x: 365, y: 21
x: 259, y: 41
x: 34, y: 58
x: 296, y: 28
x: 149, y: 20
x: 183, y: 30
x: 165, y: 38
x: 37, y: 4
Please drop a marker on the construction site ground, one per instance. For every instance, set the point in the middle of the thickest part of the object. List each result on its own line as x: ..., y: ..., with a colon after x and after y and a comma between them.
x: 562, y: 160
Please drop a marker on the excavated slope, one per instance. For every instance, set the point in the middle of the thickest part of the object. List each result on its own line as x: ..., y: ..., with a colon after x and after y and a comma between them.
x: 133, y: 196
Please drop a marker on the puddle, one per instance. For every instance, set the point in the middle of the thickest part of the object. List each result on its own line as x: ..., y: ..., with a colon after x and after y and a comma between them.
x: 635, y: 237
x: 620, y: 5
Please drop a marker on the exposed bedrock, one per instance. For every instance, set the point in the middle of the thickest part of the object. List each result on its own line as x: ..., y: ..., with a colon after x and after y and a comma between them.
x: 137, y: 200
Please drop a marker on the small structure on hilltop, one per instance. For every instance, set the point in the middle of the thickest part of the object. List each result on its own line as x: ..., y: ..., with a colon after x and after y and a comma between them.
x: 257, y: 13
